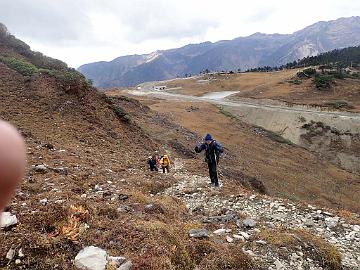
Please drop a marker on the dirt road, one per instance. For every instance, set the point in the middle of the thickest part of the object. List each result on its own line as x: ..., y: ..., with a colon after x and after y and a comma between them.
x: 275, y: 117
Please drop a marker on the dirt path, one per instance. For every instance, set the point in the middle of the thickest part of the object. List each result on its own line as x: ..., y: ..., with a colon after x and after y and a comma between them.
x: 268, y: 106
x: 206, y: 203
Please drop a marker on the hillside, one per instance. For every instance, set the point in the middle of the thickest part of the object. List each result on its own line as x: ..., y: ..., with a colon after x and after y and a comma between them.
x: 243, y: 52
x: 87, y: 184
x: 345, y: 57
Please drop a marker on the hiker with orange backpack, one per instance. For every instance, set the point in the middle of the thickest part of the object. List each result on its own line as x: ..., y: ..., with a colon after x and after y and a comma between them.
x: 213, y: 150
x: 165, y: 163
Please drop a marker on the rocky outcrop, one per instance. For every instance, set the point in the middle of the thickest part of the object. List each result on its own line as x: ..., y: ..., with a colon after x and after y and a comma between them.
x: 276, y: 233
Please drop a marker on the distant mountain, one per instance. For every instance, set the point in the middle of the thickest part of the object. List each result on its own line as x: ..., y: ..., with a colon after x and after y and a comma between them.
x: 243, y: 52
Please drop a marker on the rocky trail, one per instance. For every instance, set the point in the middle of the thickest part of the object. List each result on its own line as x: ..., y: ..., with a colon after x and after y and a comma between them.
x: 267, y: 227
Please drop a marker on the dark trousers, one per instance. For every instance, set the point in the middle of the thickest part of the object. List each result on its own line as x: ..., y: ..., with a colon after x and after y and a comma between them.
x: 213, y: 173
x: 153, y: 168
x: 167, y: 169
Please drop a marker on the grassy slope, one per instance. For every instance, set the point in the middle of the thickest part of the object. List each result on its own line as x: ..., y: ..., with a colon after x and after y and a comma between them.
x: 80, y: 130
x: 285, y: 170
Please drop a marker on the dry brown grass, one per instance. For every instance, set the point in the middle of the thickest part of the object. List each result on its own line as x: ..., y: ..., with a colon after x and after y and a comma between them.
x: 138, y: 197
x: 279, y: 237
x: 307, y: 178
x: 155, y: 186
x: 326, y: 253
x: 226, y: 257
x: 345, y: 213
x: 244, y: 82
x: 272, y: 85
x: 313, y: 246
x: 165, y: 247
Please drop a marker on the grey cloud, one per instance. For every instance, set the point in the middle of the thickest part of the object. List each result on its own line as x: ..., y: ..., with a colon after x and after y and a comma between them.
x: 45, y: 21
x: 69, y: 22
x: 262, y: 14
x: 163, y: 19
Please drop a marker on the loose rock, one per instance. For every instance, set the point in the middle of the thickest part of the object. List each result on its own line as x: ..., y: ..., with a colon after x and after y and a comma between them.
x: 250, y: 223
x: 91, y: 258
x: 7, y: 220
x: 199, y: 233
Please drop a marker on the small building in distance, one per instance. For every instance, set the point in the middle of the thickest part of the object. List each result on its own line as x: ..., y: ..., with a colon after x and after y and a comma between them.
x: 159, y: 87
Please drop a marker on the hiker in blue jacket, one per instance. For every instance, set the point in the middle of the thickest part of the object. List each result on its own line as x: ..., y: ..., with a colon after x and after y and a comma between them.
x: 212, y: 156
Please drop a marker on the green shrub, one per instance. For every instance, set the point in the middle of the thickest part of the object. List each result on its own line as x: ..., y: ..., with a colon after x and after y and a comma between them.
x: 309, y: 72
x: 355, y: 75
x: 296, y: 81
x: 322, y: 81
x: 69, y: 76
x: 21, y: 66
x: 45, y: 62
x: 339, y: 104
x: 338, y: 75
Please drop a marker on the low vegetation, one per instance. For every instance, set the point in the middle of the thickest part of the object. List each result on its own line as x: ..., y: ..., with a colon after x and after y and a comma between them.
x: 21, y: 66
x: 22, y: 59
x: 339, y: 104
x: 323, y: 81
x: 314, y: 246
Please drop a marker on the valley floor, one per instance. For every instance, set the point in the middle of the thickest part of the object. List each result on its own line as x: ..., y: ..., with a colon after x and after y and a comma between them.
x: 269, y: 85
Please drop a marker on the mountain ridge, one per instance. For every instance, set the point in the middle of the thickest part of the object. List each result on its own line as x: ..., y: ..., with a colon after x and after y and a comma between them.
x: 258, y: 49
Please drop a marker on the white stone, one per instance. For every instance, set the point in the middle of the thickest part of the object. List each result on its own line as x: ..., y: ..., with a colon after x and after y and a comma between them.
x: 21, y: 253
x: 245, y: 235
x: 220, y: 231
x: 7, y: 220
x: 331, y: 222
x: 238, y: 237
x: 279, y: 265
x: 250, y: 253
x: 10, y: 254
x: 44, y: 201
x: 229, y: 239
x: 91, y: 258
x: 125, y: 266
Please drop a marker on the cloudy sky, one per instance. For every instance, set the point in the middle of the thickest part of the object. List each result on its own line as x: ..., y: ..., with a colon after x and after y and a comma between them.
x: 83, y: 31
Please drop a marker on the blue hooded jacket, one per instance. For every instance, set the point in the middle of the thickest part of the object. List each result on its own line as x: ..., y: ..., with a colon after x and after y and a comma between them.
x: 212, y: 151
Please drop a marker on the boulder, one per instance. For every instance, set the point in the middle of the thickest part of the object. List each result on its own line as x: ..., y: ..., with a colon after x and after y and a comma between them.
x: 250, y: 223
x: 91, y: 258
x: 220, y: 219
x: 331, y: 222
x: 10, y: 254
x: 220, y: 231
x: 199, y: 233
x: 40, y: 168
x: 7, y: 220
